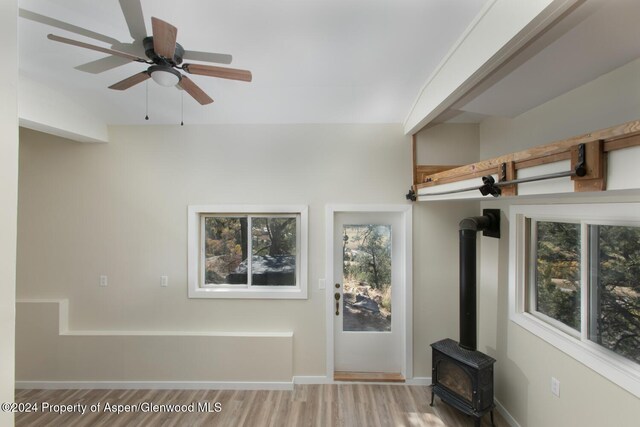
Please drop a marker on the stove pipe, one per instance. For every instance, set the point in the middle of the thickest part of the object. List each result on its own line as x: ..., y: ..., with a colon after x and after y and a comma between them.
x: 489, y: 224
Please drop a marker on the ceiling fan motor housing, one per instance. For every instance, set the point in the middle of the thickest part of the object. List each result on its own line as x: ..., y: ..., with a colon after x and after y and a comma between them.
x: 147, y: 42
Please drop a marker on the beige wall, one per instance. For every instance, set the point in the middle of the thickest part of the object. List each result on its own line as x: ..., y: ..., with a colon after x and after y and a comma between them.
x: 611, y: 99
x: 526, y: 363
x: 435, y: 236
x: 436, y: 284
x: 8, y: 198
x: 120, y: 209
x: 448, y: 144
x: 87, y: 210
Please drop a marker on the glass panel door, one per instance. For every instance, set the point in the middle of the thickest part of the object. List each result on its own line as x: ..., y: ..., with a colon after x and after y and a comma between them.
x: 367, y: 304
x: 366, y: 269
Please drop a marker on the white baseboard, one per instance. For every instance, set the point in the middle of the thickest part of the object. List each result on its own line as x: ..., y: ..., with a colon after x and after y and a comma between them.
x: 418, y: 381
x: 312, y: 380
x: 201, y: 385
x: 155, y: 385
x: 505, y: 414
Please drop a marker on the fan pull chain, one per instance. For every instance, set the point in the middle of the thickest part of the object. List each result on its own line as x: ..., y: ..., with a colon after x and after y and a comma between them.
x: 146, y: 117
x: 181, y: 108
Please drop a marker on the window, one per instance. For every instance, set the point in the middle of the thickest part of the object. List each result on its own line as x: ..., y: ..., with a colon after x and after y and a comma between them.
x: 247, y: 251
x: 554, y: 282
x: 614, y: 307
x: 575, y: 282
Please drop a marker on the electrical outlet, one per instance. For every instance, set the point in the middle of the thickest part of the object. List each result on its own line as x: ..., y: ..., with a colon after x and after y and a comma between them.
x: 164, y: 281
x: 555, y: 386
x: 103, y: 281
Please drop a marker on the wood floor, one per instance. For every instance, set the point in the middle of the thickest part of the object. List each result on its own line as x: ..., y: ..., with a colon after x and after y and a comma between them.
x: 348, y: 405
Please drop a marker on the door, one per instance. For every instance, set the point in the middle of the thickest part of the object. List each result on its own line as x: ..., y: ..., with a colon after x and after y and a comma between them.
x: 368, y: 308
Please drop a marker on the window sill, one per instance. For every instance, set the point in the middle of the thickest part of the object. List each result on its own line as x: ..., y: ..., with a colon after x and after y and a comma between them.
x: 615, y: 368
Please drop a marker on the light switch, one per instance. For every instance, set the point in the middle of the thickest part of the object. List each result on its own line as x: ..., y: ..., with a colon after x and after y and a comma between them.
x: 555, y: 386
x: 103, y: 281
x: 322, y: 283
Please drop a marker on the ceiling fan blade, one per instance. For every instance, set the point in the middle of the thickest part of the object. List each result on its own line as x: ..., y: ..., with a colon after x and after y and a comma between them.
x: 94, y: 47
x: 194, y: 90
x: 103, y: 64
x: 164, y: 38
x: 218, y: 58
x: 132, y: 11
x: 213, y: 71
x: 32, y: 16
x: 130, y: 81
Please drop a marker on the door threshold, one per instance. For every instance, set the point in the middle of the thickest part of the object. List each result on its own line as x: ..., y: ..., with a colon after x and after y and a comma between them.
x: 374, y: 377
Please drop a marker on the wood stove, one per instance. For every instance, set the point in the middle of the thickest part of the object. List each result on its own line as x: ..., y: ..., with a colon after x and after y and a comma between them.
x: 461, y: 375
x: 463, y: 379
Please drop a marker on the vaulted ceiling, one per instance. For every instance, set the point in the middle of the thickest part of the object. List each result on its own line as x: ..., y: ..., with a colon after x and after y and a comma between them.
x: 321, y: 61
x: 313, y: 61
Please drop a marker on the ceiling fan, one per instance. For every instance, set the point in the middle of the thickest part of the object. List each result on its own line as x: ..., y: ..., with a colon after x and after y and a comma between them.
x: 165, y: 57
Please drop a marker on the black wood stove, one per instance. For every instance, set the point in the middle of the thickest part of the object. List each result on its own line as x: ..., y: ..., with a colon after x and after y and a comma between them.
x: 463, y: 378
x: 461, y: 375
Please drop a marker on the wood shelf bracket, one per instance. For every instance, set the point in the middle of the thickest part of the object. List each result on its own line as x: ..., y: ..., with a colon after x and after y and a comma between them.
x: 589, y: 159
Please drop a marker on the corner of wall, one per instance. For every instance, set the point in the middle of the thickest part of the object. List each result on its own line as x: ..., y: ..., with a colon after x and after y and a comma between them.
x: 8, y: 200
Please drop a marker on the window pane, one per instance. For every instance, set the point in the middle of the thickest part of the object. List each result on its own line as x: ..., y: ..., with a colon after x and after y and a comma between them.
x: 366, y: 268
x: 225, y: 249
x: 615, y: 289
x: 557, y: 274
x: 273, y: 261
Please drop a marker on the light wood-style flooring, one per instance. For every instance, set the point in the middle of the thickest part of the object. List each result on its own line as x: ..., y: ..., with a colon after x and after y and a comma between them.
x: 348, y: 405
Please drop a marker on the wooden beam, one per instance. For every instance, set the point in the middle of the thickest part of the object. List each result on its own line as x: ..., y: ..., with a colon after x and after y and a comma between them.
x: 509, y: 175
x: 414, y: 158
x: 552, y: 158
x: 423, y: 171
x: 615, y: 137
x: 620, y: 143
x: 456, y: 178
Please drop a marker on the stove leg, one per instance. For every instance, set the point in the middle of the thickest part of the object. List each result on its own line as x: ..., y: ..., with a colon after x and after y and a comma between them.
x: 432, y: 396
x: 477, y: 421
x: 492, y: 417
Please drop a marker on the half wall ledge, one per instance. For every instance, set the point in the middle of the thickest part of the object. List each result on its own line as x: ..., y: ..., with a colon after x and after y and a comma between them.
x: 49, y: 355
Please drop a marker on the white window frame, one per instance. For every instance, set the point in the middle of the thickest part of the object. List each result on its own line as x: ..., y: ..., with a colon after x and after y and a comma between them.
x: 195, y: 262
x: 612, y: 366
x: 531, y: 301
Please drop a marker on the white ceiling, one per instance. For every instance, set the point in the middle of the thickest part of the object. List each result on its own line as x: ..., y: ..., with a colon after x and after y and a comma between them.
x: 313, y: 61
x: 597, y: 37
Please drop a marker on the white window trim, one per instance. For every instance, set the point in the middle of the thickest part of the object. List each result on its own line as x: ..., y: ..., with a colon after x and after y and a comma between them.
x: 531, y: 276
x: 614, y: 367
x: 194, y: 261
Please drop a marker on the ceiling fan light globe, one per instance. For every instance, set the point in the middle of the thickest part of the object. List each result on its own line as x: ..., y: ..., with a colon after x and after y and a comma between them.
x: 165, y: 76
